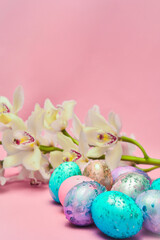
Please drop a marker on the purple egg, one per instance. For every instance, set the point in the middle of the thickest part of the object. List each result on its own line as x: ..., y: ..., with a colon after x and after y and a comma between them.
x: 121, y: 170
x: 78, y: 201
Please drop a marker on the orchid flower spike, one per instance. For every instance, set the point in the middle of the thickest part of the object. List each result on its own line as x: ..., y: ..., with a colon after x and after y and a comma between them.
x: 56, y: 118
x: 9, y: 111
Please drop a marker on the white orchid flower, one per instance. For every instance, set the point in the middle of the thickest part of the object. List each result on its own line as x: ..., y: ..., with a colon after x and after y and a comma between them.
x: 56, y: 118
x: 8, y: 112
x: 101, y: 135
x: 21, y: 143
x: 71, y: 152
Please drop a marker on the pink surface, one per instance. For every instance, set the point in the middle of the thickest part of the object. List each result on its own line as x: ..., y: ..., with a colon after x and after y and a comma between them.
x: 68, y: 184
x: 105, y: 52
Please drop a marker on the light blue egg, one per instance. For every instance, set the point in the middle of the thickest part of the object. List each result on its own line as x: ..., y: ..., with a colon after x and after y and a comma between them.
x: 78, y: 201
x: 149, y: 203
x: 132, y: 184
x: 61, y: 173
x: 116, y: 214
x: 155, y: 184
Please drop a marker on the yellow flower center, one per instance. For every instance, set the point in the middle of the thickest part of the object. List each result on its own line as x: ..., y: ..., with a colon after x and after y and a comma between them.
x: 4, y: 118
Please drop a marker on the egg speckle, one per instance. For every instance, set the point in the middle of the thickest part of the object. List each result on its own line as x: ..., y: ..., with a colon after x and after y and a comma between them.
x: 116, y: 215
x: 132, y: 184
x: 62, y: 172
x: 77, y: 203
x: 149, y: 203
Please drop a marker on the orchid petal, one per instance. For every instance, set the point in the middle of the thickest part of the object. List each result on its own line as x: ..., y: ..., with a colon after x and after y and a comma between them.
x: 68, y: 107
x: 83, y: 145
x: 96, y: 152
x: 77, y: 126
x: 113, y: 156
x: 95, y: 119
x: 31, y: 159
x: 18, y: 99
x: 4, y: 100
x: 13, y: 160
x: 7, y: 142
x: 115, y: 121
x: 35, y: 121
x: 17, y: 123
x: 56, y: 158
x: 48, y: 105
x: 65, y: 142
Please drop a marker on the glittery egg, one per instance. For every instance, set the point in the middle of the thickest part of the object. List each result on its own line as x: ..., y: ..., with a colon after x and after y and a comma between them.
x: 132, y: 184
x: 149, y: 203
x: 121, y: 170
x: 69, y: 183
x: 116, y: 215
x: 61, y: 173
x: 100, y: 172
x: 155, y: 184
x: 78, y: 201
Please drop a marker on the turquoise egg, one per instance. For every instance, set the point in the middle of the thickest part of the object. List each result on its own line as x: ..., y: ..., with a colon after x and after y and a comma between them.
x: 155, y: 184
x: 149, y: 203
x: 116, y: 214
x: 61, y: 173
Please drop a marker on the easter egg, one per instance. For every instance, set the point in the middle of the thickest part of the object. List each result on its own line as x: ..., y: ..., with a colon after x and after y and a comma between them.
x: 78, y: 201
x: 155, y: 184
x: 61, y: 173
x: 116, y: 214
x: 149, y: 203
x: 68, y: 184
x: 132, y: 184
x: 121, y: 170
x: 100, y: 172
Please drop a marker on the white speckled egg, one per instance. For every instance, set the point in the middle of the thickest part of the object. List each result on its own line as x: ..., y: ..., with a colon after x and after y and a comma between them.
x: 132, y: 184
x: 149, y: 203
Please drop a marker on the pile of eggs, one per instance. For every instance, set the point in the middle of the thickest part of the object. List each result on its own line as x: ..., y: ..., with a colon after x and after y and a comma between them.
x: 119, y: 203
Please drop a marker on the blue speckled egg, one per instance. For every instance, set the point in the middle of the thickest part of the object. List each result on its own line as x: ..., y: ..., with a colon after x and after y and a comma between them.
x: 61, y: 173
x: 132, y: 184
x: 155, y: 184
x: 121, y: 170
x: 77, y: 203
x: 149, y: 203
x: 116, y: 214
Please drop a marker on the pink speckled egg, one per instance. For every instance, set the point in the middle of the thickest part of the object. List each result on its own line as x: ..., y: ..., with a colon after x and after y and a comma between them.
x: 99, y: 172
x: 70, y: 183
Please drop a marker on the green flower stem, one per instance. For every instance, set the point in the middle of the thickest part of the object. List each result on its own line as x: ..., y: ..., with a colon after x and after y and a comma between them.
x: 48, y: 149
x: 68, y: 135
x: 148, y: 169
x: 139, y: 160
x: 0, y: 142
x: 133, y: 141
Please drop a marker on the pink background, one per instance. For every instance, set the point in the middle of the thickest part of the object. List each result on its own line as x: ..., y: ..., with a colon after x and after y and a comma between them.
x: 104, y: 52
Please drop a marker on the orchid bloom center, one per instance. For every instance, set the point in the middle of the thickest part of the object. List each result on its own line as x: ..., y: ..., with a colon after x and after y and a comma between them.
x: 107, y: 138
x: 51, y: 116
x: 72, y: 156
x: 24, y: 138
x: 4, y: 108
